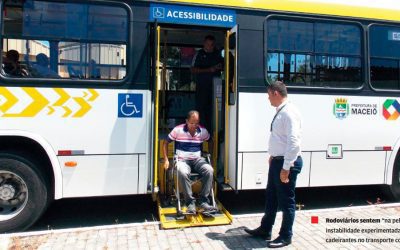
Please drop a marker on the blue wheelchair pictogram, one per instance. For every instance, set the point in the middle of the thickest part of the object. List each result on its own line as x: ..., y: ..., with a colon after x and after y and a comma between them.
x: 158, y: 12
x: 130, y: 105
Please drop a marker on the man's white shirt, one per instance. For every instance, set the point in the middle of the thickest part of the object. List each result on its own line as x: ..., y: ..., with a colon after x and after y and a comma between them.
x: 285, y: 136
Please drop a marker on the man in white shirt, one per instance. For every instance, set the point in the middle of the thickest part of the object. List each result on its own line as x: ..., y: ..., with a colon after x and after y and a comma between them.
x: 285, y: 164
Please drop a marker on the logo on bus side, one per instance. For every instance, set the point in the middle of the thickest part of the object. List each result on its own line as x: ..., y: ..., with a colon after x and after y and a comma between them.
x: 341, y: 108
x: 391, y: 109
x: 130, y: 105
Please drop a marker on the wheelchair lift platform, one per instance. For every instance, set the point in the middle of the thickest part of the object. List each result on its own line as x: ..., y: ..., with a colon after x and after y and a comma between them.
x: 169, y: 217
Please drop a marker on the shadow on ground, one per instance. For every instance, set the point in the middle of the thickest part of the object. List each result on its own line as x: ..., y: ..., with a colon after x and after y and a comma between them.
x: 84, y: 212
x: 235, y: 238
x: 245, y: 202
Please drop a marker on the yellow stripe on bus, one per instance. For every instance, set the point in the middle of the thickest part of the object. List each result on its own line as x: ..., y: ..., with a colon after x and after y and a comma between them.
x: 308, y: 6
x: 39, y: 101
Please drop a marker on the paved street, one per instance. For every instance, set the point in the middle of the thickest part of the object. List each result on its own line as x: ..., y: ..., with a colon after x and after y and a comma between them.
x: 366, y: 227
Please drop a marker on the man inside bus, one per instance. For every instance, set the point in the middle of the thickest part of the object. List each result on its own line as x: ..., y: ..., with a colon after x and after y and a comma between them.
x: 206, y: 65
x: 11, y: 65
x: 285, y: 164
x: 42, y: 67
x: 189, y: 138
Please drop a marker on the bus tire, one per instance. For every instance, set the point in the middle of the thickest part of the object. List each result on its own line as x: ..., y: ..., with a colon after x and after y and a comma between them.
x: 23, y: 193
x: 395, y: 187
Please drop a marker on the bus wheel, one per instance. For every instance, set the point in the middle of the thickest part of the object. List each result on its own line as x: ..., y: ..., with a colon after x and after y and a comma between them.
x: 23, y: 193
x: 395, y: 187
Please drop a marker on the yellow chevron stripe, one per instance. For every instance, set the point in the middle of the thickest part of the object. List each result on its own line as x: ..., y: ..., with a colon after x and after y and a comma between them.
x: 11, y: 99
x: 94, y: 95
x: 51, y: 110
x: 38, y: 103
x: 68, y: 111
x: 64, y: 97
x: 85, y: 107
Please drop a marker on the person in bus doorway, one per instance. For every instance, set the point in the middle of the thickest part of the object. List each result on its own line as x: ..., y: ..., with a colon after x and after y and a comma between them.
x: 189, y: 138
x: 206, y: 64
x: 285, y: 164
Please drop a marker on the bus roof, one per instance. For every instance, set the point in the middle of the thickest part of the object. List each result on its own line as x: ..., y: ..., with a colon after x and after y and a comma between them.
x: 371, y: 9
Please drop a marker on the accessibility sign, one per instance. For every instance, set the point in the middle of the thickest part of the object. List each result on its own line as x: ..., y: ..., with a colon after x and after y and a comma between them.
x: 130, y: 105
x: 192, y: 15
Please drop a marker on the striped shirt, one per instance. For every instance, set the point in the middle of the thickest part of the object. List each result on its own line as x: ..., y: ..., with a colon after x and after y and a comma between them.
x: 188, y: 147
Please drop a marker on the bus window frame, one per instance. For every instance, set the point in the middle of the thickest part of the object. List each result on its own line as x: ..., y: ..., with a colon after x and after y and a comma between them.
x: 378, y: 90
x: 314, y: 19
x: 71, y: 82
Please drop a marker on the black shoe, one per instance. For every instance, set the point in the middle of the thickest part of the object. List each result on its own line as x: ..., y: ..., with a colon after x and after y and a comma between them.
x: 259, y: 232
x: 279, y: 242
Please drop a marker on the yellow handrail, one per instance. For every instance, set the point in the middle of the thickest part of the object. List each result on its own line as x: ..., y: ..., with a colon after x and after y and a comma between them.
x: 156, y: 112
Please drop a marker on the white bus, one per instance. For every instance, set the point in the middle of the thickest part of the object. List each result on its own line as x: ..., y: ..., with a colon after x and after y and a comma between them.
x: 90, y: 88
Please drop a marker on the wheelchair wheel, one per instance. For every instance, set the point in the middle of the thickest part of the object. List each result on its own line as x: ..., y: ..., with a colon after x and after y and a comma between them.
x: 170, y: 179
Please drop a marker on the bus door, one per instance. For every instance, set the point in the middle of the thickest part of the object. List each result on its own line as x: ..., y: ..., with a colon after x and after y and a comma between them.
x: 174, y: 95
x: 230, y: 107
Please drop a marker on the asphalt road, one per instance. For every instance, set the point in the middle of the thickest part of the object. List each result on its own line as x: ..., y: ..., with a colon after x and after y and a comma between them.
x: 83, y: 212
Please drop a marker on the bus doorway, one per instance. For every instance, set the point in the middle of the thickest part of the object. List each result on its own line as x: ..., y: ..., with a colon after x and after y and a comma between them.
x: 175, y: 95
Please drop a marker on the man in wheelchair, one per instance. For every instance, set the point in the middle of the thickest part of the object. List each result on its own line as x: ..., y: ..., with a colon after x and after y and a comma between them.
x: 189, y: 138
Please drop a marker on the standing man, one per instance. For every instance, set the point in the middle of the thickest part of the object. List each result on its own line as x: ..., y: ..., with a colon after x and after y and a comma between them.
x: 285, y: 164
x: 206, y: 65
x: 189, y: 138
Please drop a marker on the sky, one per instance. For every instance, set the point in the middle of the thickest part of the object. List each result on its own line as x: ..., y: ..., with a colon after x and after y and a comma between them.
x: 45, y: 43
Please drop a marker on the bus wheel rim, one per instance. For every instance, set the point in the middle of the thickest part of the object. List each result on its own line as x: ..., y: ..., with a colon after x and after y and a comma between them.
x: 13, y: 195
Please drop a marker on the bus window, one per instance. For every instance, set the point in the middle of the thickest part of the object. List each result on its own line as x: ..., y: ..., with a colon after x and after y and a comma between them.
x: 315, y: 54
x: 65, y: 40
x: 385, y: 57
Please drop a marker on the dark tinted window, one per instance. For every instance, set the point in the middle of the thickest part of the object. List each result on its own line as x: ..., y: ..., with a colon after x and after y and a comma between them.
x: 64, y: 40
x: 337, y: 39
x: 385, y: 57
x: 290, y: 36
x: 316, y: 54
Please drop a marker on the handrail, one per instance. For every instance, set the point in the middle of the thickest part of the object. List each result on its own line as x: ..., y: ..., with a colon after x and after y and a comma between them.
x: 156, y: 113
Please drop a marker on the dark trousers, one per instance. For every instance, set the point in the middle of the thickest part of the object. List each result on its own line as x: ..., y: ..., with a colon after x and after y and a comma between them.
x: 204, y: 95
x: 281, y: 195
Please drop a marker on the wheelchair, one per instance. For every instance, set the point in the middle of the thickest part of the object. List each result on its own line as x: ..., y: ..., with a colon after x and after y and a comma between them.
x: 173, y: 188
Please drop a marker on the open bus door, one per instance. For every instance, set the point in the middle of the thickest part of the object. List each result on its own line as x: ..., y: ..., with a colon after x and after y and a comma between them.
x: 171, y: 209
x: 230, y: 136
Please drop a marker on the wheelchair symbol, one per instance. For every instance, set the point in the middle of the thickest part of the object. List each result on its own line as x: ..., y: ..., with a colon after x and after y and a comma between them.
x: 158, y: 12
x: 128, y: 108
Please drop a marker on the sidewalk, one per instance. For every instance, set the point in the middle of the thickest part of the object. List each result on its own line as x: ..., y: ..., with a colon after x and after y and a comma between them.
x: 368, y: 227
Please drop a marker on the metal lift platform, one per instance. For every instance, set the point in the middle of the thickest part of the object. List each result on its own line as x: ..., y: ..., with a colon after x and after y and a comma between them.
x: 169, y: 217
